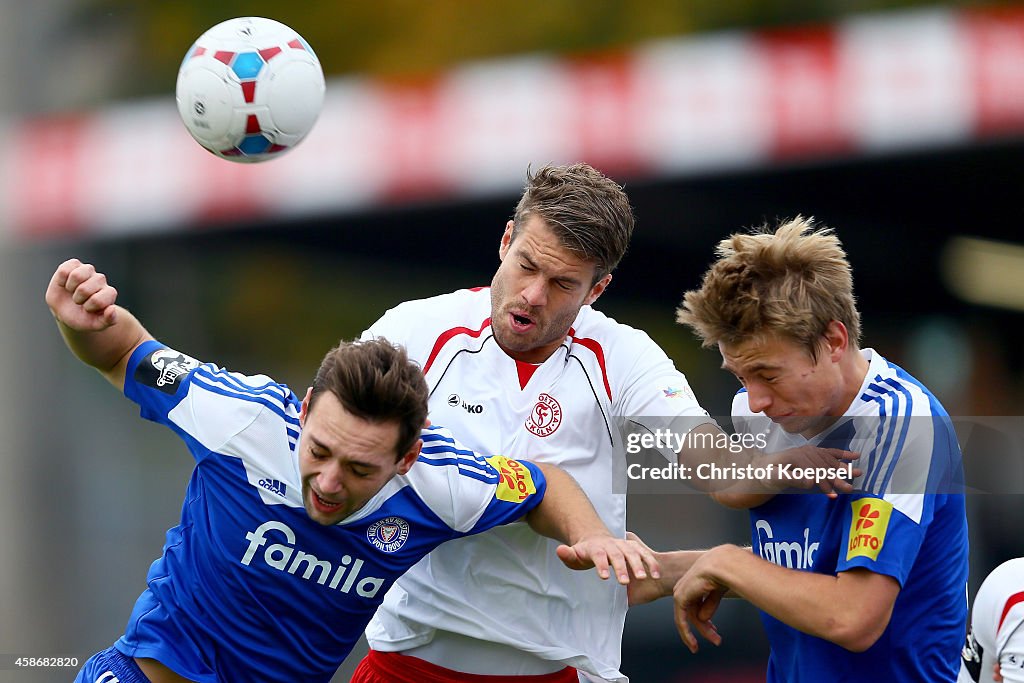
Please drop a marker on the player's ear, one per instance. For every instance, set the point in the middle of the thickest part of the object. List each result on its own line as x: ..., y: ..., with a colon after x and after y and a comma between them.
x: 304, y: 411
x: 837, y: 339
x: 506, y: 240
x: 598, y: 289
x: 407, y: 460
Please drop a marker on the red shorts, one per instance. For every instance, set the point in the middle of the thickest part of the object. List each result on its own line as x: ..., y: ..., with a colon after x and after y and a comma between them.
x: 391, y: 667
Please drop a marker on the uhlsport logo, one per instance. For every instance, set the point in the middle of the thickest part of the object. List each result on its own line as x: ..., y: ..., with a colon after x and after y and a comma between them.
x: 275, y: 486
x: 343, y: 575
x: 545, y: 416
x: 388, y: 534
x: 792, y: 554
x: 868, y: 526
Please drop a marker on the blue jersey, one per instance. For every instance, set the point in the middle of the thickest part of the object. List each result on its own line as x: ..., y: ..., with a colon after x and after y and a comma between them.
x: 906, y: 519
x: 248, y: 587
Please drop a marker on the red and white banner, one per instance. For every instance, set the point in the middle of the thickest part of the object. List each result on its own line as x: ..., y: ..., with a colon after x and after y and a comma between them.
x: 871, y: 84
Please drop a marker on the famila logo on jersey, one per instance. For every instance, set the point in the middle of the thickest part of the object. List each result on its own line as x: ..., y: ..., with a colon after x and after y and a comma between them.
x: 792, y: 554
x: 343, y: 577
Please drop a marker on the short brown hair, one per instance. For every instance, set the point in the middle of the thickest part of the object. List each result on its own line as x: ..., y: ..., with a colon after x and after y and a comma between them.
x: 588, y: 212
x: 791, y: 282
x: 375, y: 380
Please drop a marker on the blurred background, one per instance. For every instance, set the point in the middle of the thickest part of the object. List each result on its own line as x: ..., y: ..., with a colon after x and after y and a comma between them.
x: 898, y: 123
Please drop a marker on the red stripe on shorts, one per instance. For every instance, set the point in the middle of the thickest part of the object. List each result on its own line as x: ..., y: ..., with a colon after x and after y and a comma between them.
x: 392, y: 667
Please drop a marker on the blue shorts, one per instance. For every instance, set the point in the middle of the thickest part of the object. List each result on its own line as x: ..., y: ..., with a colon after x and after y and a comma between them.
x: 110, y: 666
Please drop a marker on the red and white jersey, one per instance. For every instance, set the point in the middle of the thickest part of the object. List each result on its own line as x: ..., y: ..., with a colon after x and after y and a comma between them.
x: 997, y: 627
x: 508, y: 586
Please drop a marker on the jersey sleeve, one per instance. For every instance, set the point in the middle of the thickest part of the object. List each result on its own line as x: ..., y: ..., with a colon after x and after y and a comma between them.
x: 205, y: 405
x: 654, y: 395
x: 402, y: 325
x: 472, y: 493
x: 888, y: 517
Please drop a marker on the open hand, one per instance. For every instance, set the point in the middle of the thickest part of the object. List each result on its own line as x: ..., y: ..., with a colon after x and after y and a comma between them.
x: 697, y: 597
x: 625, y: 557
x: 813, y: 459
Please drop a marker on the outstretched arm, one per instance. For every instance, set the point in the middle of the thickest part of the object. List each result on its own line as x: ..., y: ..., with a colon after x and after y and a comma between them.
x: 850, y: 609
x: 565, y: 514
x: 99, y: 332
x: 707, y: 447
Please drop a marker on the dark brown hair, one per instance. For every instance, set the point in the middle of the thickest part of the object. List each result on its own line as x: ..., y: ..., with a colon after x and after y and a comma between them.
x: 375, y: 381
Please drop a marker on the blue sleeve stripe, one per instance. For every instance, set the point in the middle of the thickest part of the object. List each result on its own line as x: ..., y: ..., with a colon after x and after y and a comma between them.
x: 878, y: 454
x: 465, y: 453
x: 904, y: 420
x: 885, y: 454
x: 481, y: 467
x: 490, y: 477
x: 234, y: 381
x: 273, y: 406
x: 432, y: 435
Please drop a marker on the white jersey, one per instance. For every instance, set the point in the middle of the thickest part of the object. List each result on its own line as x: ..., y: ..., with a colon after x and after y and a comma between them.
x: 508, y: 587
x: 997, y: 627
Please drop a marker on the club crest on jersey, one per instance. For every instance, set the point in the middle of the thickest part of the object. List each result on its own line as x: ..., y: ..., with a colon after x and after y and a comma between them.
x: 389, y: 534
x: 163, y: 368
x: 545, y: 417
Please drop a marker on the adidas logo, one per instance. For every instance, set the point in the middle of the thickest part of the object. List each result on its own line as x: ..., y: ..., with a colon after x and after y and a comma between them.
x: 275, y: 485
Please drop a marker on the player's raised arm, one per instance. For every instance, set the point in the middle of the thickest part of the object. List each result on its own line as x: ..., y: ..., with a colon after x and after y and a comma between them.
x: 567, y: 515
x: 708, y: 446
x: 98, y: 331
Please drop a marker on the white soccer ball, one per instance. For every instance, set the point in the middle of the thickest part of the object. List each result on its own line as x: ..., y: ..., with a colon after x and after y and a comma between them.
x: 250, y: 89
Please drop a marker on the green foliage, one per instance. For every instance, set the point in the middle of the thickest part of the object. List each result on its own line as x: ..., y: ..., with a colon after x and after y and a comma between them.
x: 411, y: 39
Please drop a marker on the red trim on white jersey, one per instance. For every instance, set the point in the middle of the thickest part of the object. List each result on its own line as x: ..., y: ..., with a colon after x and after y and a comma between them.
x: 594, y: 346
x: 525, y: 372
x: 1012, y: 601
x: 447, y: 335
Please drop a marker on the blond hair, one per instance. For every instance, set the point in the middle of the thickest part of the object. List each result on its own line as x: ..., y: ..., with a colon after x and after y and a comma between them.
x: 790, y: 283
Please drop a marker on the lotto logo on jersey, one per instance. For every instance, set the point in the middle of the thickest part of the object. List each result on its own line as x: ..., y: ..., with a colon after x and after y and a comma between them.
x: 867, y: 528
x: 389, y: 534
x: 516, y: 483
x: 545, y: 416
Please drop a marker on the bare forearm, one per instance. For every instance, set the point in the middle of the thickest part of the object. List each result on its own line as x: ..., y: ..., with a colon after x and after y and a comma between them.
x: 709, y: 452
x: 108, y: 349
x: 674, y: 564
x: 565, y: 514
x: 839, y: 608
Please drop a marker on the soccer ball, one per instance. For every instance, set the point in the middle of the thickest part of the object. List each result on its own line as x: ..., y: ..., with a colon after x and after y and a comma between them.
x: 249, y: 89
